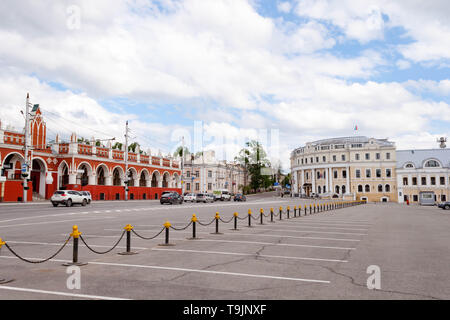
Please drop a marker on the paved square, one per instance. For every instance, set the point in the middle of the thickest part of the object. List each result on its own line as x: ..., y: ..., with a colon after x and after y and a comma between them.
x: 320, y: 256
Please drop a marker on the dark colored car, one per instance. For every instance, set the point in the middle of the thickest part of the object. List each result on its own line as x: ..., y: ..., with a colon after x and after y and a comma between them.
x: 239, y: 197
x: 444, y: 205
x: 171, y: 198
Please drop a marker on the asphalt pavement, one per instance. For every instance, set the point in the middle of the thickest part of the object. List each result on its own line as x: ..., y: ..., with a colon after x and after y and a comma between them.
x: 326, y: 255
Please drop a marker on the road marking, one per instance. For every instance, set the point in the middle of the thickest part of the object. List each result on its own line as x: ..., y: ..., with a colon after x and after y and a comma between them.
x: 59, y: 293
x: 248, y: 254
x: 50, y: 222
x: 187, y: 270
x: 273, y: 244
x: 290, y: 221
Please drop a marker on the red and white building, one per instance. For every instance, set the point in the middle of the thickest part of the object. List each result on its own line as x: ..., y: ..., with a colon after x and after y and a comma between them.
x: 79, y: 166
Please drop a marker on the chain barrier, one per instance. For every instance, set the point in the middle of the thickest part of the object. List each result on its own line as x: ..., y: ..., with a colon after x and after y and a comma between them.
x: 39, y: 261
x: 103, y: 252
x: 76, y: 234
x: 226, y: 221
x: 206, y: 224
x: 181, y: 229
x: 150, y: 238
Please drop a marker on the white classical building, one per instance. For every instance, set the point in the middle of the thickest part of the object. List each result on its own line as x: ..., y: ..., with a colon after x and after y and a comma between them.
x: 358, y: 167
x: 423, y: 170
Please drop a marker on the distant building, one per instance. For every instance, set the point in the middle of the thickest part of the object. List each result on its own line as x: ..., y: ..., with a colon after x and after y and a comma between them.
x: 423, y: 170
x: 358, y: 168
x: 204, y: 173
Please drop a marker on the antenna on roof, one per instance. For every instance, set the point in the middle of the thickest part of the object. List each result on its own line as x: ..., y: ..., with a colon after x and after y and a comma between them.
x: 442, y: 141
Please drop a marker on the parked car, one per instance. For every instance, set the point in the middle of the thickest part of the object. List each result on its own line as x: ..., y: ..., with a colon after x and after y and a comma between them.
x: 444, y: 205
x: 209, y: 197
x: 222, y: 195
x: 88, y: 196
x: 172, y: 198
x: 190, y: 197
x: 200, y: 197
x: 68, y: 198
x: 239, y: 197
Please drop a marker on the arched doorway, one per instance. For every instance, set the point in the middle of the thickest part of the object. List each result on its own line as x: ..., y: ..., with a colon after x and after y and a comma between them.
x: 83, y: 173
x: 63, y: 173
x: 165, y: 180
x: 155, y: 179
x: 117, y: 176
x: 143, y: 178
x: 101, y: 175
x: 12, y: 166
x: 37, y: 177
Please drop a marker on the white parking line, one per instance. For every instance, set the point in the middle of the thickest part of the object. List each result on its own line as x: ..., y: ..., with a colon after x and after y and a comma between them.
x: 51, y: 222
x: 273, y: 244
x: 59, y: 293
x: 248, y: 254
x: 187, y: 270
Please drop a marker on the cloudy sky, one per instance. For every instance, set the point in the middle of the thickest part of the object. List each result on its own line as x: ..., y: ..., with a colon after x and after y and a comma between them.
x: 295, y: 70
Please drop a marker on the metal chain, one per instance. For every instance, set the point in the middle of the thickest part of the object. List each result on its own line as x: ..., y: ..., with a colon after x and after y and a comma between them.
x: 226, y: 221
x: 255, y: 217
x: 150, y: 237
x: 243, y: 218
x: 181, y: 229
x: 40, y: 261
x: 98, y: 252
x: 206, y: 224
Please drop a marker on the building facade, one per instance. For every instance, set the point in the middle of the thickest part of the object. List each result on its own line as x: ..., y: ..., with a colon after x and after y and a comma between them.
x: 423, y: 170
x: 79, y: 165
x: 357, y: 168
x: 204, y: 173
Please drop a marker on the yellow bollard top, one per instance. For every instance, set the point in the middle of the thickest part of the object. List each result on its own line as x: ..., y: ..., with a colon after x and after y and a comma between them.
x: 75, y: 233
x: 235, y: 214
x: 194, y: 218
x: 295, y: 207
x: 1, y: 242
x: 128, y: 227
x: 249, y: 211
x: 288, y: 208
x: 217, y: 215
x: 167, y: 224
x: 261, y: 210
x: 271, y: 209
x: 281, y: 208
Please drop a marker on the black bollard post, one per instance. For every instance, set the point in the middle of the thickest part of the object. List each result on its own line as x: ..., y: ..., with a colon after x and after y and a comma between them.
x: 271, y: 214
x: 128, y: 229
x: 249, y: 218
x: 75, y: 235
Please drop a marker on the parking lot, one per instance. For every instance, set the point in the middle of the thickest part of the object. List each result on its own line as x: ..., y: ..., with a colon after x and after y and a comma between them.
x: 320, y: 256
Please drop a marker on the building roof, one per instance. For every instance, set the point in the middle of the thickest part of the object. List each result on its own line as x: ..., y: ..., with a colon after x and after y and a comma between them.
x: 352, y: 139
x: 418, y: 157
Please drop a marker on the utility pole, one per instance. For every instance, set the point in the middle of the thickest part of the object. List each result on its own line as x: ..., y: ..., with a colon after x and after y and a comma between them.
x: 182, y: 166
x: 126, y: 161
x: 25, y: 168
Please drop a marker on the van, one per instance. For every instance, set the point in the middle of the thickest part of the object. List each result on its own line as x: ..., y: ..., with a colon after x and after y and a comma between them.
x: 222, y: 195
x: 427, y: 198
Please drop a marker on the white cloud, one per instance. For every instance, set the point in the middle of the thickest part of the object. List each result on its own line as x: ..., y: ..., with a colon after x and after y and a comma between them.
x: 284, y: 6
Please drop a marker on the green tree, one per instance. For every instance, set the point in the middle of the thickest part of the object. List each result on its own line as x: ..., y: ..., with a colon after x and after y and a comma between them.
x: 253, y: 158
x: 179, y: 151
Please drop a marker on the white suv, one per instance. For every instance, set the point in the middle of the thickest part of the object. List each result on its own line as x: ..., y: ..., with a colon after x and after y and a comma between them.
x: 190, y: 197
x: 68, y: 198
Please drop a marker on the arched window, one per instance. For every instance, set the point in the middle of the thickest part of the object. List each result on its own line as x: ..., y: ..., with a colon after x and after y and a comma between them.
x: 343, y: 189
x: 360, y: 188
x: 101, y: 176
x: 367, y: 188
x: 319, y: 189
x: 432, y: 164
x: 387, y: 188
x: 380, y: 188
x: 116, y: 177
x: 337, y: 189
x: 409, y: 165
